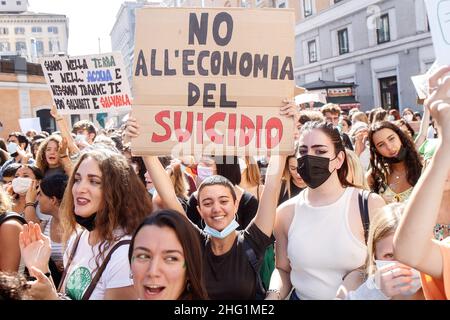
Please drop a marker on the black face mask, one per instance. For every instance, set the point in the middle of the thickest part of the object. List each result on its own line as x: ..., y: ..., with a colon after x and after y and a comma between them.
x: 88, y: 223
x: 398, y: 158
x: 314, y: 170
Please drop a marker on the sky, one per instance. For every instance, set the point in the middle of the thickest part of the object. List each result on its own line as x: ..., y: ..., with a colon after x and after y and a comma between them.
x: 88, y: 21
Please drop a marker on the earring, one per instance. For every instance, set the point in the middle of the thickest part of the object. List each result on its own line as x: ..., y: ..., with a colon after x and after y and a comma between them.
x: 131, y: 275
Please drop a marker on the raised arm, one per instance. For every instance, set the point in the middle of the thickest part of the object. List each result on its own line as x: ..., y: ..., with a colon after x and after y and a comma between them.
x: 413, y: 239
x: 65, y: 131
x: 265, y: 216
x: 160, y: 178
x: 424, y: 124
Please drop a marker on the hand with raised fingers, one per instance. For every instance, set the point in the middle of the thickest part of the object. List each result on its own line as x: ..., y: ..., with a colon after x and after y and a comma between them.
x: 54, y: 113
x: 34, y: 247
x: 31, y: 195
x: 63, y: 151
x: 42, y: 288
x: 439, y: 102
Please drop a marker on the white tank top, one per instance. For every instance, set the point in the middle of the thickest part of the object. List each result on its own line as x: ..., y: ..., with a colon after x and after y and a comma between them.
x: 322, y: 248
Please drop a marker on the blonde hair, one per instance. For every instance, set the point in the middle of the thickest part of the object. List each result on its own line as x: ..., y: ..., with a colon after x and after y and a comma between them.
x: 331, y: 108
x: 252, y: 173
x: 41, y: 160
x: 5, y: 202
x: 383, y: 225
x: 179, y: 181
x: 355, y: 173
x: 360, y: 116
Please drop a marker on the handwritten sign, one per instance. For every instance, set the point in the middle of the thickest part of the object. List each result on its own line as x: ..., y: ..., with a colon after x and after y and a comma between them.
x: 88, y: 84
x: 439, y: 20
x: 202, y: 67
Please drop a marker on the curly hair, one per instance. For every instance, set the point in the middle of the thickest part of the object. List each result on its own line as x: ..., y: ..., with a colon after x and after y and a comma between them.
x: 125, y: 201
x: 41, y: 159
x: 380, y: 169
x: 13, y: 286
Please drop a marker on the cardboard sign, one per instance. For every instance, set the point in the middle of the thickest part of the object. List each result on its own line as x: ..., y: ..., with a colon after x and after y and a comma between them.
x: 439, y: 20
x: 197, y: 131
x: 88, y: 84
x: 212, y: 61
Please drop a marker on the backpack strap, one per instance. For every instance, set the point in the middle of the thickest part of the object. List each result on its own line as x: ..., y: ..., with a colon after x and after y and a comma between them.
x: 251, y: 255
x: 72, y: 254
x: 12, y: 215
x: 102, y: 268
x: 363, y: 199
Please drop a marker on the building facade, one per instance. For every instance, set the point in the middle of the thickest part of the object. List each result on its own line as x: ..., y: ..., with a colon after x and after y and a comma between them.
x: 123, y: 32
x: 31, y: 35
x: 377, y: 44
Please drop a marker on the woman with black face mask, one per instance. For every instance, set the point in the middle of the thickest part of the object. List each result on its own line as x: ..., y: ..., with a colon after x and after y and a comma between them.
x: 107, y: 199
x: 394, y: 161
x: 319, y: 233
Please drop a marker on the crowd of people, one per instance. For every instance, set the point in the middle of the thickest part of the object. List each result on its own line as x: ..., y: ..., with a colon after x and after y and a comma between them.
x: 359, y: 211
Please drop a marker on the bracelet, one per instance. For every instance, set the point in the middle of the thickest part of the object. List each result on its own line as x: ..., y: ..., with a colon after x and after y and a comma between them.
x: 30, y: 204
x: 64, y: 156
x: 277, y: 291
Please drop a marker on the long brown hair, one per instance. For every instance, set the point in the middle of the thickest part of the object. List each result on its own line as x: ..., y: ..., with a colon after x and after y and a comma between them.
x: 189, y: 240
x: 380, y: 169
x: 125, y: 202
x: 253, y: 175
x: 335, y: 137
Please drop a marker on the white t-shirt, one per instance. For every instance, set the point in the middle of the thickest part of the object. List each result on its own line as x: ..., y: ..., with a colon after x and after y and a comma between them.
x: 81, y: 270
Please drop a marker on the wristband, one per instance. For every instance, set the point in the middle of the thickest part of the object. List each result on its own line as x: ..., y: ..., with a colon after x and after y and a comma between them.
x: 277, y: 291
x: 30, y: 204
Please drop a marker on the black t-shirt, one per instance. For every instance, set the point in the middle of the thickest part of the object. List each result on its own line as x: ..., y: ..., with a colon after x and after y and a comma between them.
x: 231, y: 276
x: 248, y: 206
x: 284, y: 195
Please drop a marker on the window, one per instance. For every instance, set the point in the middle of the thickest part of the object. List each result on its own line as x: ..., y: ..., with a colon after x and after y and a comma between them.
x: 4, y: 47
x: 36, y: 29
x: 312, y: 51
x: 343, y: 41
x: 389, y: 93
x: 74, y: 118
x: 3, y: 3
x: 53, y: 30
x: 20, y: 46
x: 4, y: 31
x: 19, y: 3
x: 19, y: 30
x: 282, y: 5
x: 307, y: 8
x: 53, y: 46
x: 336, y: 1
x: 39, y: 47
x: 383, y: 32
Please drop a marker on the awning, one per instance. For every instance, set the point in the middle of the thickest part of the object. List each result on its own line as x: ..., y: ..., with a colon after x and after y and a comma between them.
x: 346, y: 103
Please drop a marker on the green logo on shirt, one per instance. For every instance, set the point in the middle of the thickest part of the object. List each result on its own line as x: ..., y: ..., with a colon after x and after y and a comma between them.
x: 78, y: 282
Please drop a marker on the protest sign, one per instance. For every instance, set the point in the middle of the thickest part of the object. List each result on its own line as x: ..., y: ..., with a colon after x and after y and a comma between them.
x: 30, y: 124
x: 439, y: 20
x: 212, y: 62
x: 88, y: 84
x: 196, y: 131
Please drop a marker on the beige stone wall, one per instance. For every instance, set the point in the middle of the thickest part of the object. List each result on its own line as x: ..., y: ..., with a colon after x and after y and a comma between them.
x: 39, y: 98
x: 296, y: 6
x: 322, y: 5
x: 9, y: 111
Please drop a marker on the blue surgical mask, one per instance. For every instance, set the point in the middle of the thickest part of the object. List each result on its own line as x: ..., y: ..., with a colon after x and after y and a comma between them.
x: 151, y: 191
x: 224, y: 233
x: 183, y: 168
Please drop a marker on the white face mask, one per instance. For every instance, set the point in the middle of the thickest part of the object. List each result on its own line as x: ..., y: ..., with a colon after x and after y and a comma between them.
x: 203, y: 173
x: 21, y: 185
x: 12, y: 147
x: 415, y: 284
x: 391, y: 118
x: 408, y: 117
